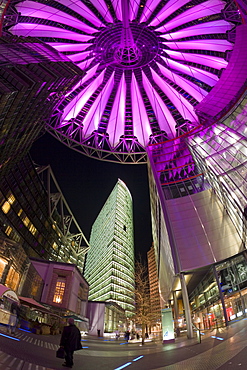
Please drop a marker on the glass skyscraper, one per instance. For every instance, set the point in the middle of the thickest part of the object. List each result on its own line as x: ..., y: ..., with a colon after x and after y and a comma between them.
x: 109, y: 267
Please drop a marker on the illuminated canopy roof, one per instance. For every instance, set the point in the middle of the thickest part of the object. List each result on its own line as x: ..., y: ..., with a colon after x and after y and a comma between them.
x: 146, y: 65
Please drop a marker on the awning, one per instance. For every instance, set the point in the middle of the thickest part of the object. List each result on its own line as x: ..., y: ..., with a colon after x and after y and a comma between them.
x: 76, y: 318
x: 84, y: 321
x: 8, y: 293
x: 32, y: 303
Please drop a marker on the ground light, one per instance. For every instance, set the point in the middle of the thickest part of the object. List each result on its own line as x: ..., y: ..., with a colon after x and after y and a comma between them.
x: 128, y: 363
x: 219, y: 338
x: 7, y: 336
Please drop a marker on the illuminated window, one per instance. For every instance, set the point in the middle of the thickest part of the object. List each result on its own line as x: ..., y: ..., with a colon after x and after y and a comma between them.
x: 3, y: 263
x: 59, y: 290
x: 6, y: 207
x: 26, y: 221
x: 8, y: 230
x: 11, y: 199
x: 32, y: 229
x: 54, y: 246
x: 20, y: 212
x: 12, y: 279
x: 36, y: 285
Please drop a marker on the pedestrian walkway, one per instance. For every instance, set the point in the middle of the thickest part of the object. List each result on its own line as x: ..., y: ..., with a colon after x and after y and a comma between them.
x: 36, y: 341
x: 221, y: 349
x: 8, y: 362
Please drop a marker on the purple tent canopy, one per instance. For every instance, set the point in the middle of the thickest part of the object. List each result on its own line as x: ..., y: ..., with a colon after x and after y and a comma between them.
x: 146, y: 67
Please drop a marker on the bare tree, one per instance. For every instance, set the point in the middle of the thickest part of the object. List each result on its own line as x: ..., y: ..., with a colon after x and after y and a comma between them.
x: 143, y: 313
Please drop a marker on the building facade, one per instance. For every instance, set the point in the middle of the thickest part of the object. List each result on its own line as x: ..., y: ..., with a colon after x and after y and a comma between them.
x: 198, y: 201
x: 32, y: 75
x: 105, y: 317
x: 14, y: 264
x: 154, y: 291
x: 64, y: 288
x: 109, y: 267
x: 35, y: 214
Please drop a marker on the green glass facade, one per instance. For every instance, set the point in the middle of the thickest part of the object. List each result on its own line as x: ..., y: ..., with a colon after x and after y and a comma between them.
x: 109, y: 267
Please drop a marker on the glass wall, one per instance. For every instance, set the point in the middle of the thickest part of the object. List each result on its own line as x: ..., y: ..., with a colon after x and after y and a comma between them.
x: 205, y: 300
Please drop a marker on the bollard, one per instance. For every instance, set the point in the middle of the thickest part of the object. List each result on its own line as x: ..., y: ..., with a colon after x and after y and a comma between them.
x: 198, y: 334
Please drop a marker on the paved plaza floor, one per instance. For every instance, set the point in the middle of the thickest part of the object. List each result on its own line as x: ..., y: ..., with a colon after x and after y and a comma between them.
x: 223, y: 349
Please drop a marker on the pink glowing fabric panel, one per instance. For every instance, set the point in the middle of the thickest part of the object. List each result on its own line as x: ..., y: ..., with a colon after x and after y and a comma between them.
x: 80, y: 8
x: 41, y: 30
x: 149, y: 8
x: 31, y: 8
x: 86, y: 63
x: 76, y: 104
x: 93, y: 116
x: 89, y: 74
x: 208, y: 8
x: 80, y: 56
x: 196, y: 91
x: 164, y: 116
x: 170, y: 7
x: 183, y: 106
x: 101, y: 6
x: 200, y: 29
x: 214, y: 45
x: 167, y: 68
x: 118, y: 9
x: 207, y: 77
x: 134, y: 6
x: 69, y: 47
x: 206, y: 60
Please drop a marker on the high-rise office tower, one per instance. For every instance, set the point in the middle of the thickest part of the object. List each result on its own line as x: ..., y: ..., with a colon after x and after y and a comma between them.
x: 109, y: 266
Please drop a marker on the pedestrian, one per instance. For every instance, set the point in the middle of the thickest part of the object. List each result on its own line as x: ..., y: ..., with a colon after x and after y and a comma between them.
x: 117, y: 334
x: 70, y: 341
x: 127, y: 335
x: 14, y: 317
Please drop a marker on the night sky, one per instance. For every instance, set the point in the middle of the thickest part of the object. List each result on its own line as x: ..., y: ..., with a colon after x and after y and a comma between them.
x: 86, y: 183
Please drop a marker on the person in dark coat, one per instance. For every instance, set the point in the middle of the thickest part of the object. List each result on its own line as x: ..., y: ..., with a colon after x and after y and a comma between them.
x: 70, y: 341
x: 127, y: 335
x: 14, y: 317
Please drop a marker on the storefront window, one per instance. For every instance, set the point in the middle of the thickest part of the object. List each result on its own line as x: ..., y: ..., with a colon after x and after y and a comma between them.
x: 12, y: 279
x: 59, y: 290
x: 3, y: 263
x: 205, y: 299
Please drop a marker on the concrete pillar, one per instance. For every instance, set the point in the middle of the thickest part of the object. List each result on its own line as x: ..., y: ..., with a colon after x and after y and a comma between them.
x: 175, y: 306
x: 186, y: 307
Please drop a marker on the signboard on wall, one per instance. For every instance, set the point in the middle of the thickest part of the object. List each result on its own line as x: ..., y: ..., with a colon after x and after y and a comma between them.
x: 167, y: 325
